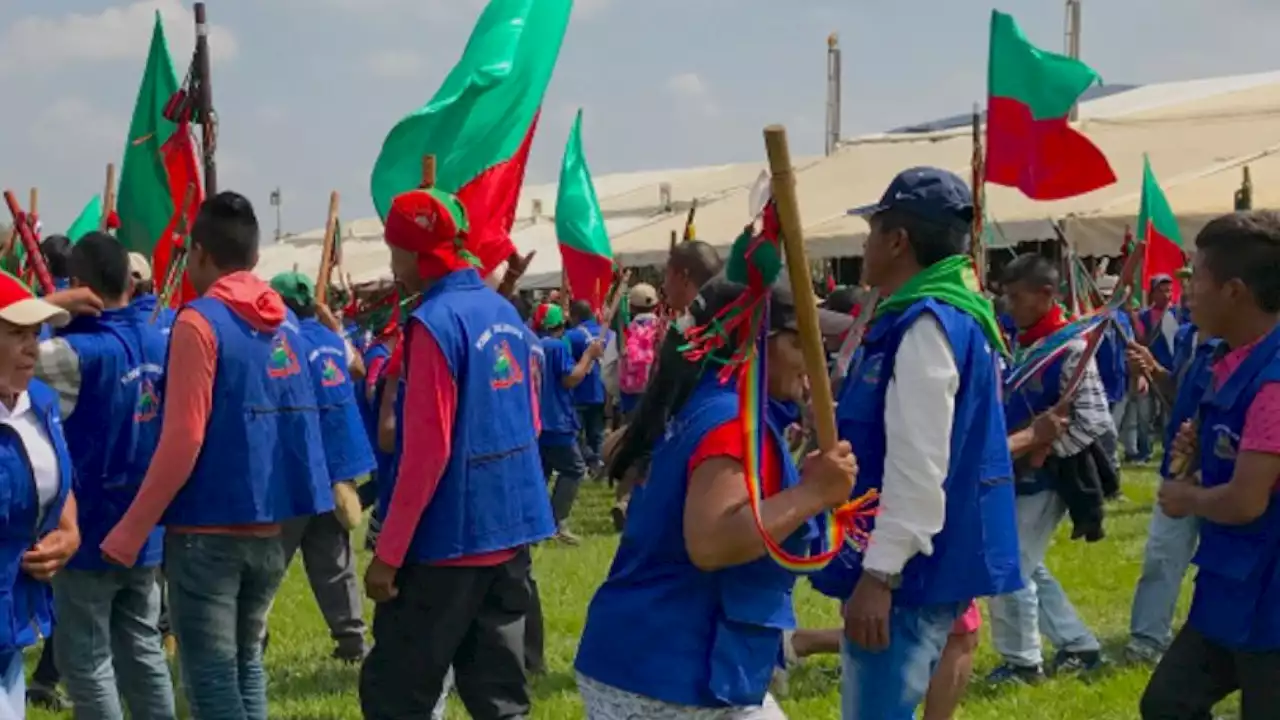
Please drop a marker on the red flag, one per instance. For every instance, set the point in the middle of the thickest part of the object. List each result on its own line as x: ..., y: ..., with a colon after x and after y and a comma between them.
x: 183, y: 168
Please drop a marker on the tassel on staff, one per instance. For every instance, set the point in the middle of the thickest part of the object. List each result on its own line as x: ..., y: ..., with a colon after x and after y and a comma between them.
x: 177, y: 266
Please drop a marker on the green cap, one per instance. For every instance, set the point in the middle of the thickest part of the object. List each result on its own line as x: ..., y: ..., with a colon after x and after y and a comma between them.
x: 295, y: 288
x: 548, y: 316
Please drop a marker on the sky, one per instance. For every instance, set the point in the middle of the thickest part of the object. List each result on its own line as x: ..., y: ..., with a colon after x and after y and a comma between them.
x: 306, y: 90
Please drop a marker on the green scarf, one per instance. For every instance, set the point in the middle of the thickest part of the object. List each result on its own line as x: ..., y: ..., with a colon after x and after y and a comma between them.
x: 953, y: 282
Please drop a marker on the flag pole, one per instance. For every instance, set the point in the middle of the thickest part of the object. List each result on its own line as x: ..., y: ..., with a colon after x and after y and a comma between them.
x: 815, y: 355
x: 428, y: 172
x: 108, y: 197
x: 208, y: 139
x: 33, y: 206
x: 326, y: 252
x: 26, y: 232
x: 977, y: 167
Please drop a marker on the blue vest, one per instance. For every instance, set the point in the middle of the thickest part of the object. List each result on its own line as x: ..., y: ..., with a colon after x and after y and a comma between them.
x: 115, y: 427
x: 346, y: 447
x: 1237, y: 594
x: 263, y: 457
x: 1161, y: 349
x: 1193, y: 376
x: 661, y: 627
x: 591, y: 390
x: 1113, y: 366
x: 492, y: 495
x: 146, y: 304
x: 26, y: 605
x: 560, y: 424
x: 369, y: 408
x: 387, y: 475
x: 976, y: 554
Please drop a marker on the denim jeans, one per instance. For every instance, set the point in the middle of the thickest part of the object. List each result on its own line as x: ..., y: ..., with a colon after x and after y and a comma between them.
x: 1170, y: 544
x: 13, y: 687
x: 565, y: 462
x: 592, y: 417
x: 220, y: 590
x: 1018, y: 619
x: 1134, y: 413
x: 109, y: 644
x: 891, y: 684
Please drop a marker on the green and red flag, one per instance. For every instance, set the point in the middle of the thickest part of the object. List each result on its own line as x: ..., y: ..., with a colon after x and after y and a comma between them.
x: 1162, y: 253
x: 160, y: 166
x: 580, y: 228
x: 480, y: 123
x: 1030, y: 142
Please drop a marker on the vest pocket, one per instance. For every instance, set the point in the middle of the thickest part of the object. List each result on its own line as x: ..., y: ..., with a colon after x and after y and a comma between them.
x: 755, y: 602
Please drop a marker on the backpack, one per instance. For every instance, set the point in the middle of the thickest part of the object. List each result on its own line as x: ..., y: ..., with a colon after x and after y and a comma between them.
x: 639, y: 354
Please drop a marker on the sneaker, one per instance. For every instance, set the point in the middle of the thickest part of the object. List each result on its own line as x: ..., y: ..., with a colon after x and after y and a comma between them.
x: 564, y: 536
x: 1140, y: 653
x: 48, y: 698
x: 1076, y: 662
x: 1009, y: 673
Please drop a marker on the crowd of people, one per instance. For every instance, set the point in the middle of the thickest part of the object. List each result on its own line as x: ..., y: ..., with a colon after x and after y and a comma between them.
x: 161, y: 469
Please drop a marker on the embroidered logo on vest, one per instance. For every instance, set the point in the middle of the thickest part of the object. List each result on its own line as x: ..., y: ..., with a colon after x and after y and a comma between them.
x: 506, y: 369
x: 870, y: 367
x: 283, y: 361
x: 1225, y: 443
x: 330, y: 374
x: 148, y: 403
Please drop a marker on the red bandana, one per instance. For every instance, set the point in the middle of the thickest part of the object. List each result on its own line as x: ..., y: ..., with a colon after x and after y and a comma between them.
x: 1051, y: 322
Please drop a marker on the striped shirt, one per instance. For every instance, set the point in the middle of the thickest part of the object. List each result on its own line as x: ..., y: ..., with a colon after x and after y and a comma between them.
x: 1090, y: 413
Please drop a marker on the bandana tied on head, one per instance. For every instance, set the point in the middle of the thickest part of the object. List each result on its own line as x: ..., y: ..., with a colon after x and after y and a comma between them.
x: 294, y: 287
x: 742, y: 326
x: 548, y: 316
x: 433, y: 225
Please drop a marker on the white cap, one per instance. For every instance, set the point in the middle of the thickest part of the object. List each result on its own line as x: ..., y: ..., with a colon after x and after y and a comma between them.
x: 139, y: 268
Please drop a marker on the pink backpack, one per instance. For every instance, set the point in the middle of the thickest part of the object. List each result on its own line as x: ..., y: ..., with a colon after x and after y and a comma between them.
x: 638, y: 355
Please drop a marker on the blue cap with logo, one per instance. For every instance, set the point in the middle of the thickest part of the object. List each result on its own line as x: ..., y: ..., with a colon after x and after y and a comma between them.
x: 928, y: 193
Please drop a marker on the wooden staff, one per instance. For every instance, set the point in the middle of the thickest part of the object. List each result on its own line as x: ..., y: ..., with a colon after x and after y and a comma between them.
x: 675, y: 240
x: 204, y: 93
x: 326, y: 252
x: 428, y: 172
x: 22, y: 225
x: 853, y: 337
x: 815, y: 355
x: 33, y: 205
x: 109, y: 197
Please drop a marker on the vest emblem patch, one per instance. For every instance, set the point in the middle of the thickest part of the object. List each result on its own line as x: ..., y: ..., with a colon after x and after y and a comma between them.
x: 870, y: 367
x: 331, y: 375
x: 283, y: 361
x: 1225, y: 443
x: 506, y: 369
x: 148, y: 403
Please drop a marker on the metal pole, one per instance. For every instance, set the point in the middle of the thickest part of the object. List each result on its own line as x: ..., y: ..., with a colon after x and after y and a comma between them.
x: 205, y: 100
x: 833, y: 93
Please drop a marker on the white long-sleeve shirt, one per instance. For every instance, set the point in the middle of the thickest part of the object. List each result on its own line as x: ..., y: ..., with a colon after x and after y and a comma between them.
x: 920, y: 405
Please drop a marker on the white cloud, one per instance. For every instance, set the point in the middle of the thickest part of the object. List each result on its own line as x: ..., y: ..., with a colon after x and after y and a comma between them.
x: 71, y: 126
x: 117, y: 33
x: 687, y: 84
x: 395, y: 63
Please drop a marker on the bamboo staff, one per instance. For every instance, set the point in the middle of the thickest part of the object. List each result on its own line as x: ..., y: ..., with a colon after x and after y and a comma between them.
x: 109, y: 197
x: 33, y: 207
x: 815, y: 356
x: 326, y: 252
x: 23, y: 226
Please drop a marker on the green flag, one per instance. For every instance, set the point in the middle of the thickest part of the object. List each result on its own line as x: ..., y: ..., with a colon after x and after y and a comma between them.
x: 144, y: 201
x: 584, y: 241
x: 90, y: 219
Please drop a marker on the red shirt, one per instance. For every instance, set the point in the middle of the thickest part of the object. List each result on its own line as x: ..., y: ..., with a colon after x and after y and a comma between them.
x: 727, y: 440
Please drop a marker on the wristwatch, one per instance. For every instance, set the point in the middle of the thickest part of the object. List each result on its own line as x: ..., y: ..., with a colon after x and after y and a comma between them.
x: 893, y: 582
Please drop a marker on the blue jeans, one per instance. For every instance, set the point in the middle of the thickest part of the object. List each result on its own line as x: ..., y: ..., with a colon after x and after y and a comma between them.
x: 1170, y: 544
x: 891, y: 684
x: 109, y: 644
x: 565, y: 462
x: 1018, y: 619
x: 1133, y: 418
x: 592, y: 417
x: 220, y: 590
x: 13, y: 687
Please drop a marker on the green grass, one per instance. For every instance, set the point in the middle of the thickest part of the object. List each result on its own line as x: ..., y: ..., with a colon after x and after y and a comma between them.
x: 306, y: 685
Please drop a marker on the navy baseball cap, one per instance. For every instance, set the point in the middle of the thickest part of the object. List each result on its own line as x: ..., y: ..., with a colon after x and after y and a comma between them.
x: 928, y: 193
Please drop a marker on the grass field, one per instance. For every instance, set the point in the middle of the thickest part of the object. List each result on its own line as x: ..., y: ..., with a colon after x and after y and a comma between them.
x: 306, y: 685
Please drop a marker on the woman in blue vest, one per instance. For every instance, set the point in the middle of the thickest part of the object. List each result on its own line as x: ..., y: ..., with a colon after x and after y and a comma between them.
x: 108, y: 371
x: 38, y: 530
x: 689, y: 622
x: 1231, y: 640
